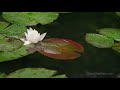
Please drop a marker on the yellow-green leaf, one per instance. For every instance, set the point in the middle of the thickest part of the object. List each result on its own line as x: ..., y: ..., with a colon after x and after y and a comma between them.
x: 99, y: 41
x: 113, y: 33
x: 15, y: 31
x: 3, y: 25
x: 18, y: 53
x: 9, y: 44
x: 33, y: 73
x: 30, y: 18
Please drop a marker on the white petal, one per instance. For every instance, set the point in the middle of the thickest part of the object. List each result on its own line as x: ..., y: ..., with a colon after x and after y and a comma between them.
x: 27, y: 36
x: 33, y: 36
x: 30, y: 32
x: 42, y: 36
x: 22, y: 39
x: 27, y: 42
x: 30, y: 29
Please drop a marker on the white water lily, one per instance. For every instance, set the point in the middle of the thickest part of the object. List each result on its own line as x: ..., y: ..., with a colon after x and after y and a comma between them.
x: 32, y: 36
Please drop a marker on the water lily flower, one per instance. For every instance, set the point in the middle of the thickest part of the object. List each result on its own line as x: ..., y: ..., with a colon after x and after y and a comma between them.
x: 32, y: 36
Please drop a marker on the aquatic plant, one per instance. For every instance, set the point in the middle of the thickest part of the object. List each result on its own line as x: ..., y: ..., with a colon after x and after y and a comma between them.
x: 107, y: 38
x: 18, y: 39
x: 21, y: 36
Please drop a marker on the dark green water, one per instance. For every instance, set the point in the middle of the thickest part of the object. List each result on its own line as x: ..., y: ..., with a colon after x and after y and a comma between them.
x: 74, y: 26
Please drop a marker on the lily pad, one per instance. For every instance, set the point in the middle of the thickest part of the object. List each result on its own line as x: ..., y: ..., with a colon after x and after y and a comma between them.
x: 59, y: 76
x: 62, y: 49
x: 15, y: 31
x: 3, y: 25
x: 118, y: 13
x: 99, y: 41
x: 113, y: 33
x: 30, y: 18
x: 18, y: 53
x: 32, y: 73
x: 116, y: 47
x: 9, y: 44
x: 2, y: 75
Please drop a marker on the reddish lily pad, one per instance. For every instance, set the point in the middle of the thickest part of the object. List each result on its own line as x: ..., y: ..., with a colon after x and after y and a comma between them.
x: 63, y: 49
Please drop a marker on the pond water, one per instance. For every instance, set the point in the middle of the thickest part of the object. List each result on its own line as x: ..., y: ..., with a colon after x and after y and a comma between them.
x: 94, y: 62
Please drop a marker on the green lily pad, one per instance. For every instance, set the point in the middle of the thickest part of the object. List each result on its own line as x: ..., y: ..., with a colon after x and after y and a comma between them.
x: 59, y: 76
x: 11, y: 49
x: 3, y: 25
x: 15, y: 31
x: 9, y: 44
x: 32, y: 73
x: 118, y: 13
x: 116, y: 47
x: 99, y: 41
x: 30, y: 18
x: 18, y: 53
x: 113, y: 33
x: 2, y: 75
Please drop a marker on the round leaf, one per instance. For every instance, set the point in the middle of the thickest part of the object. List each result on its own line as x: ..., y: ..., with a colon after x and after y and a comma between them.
x: 15, y: 31
x: 99, y: 41
x: 18, y: 53
x: 32, y: 73
x: 113, y: 33
x: 63, y: 49
x: 9, y: 44
x: 30, y: 18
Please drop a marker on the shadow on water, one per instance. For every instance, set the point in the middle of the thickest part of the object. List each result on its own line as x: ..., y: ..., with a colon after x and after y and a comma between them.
x: 74, y: 26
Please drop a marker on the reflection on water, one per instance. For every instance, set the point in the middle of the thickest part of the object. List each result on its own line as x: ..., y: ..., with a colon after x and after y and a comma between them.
x: 93, y: 63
